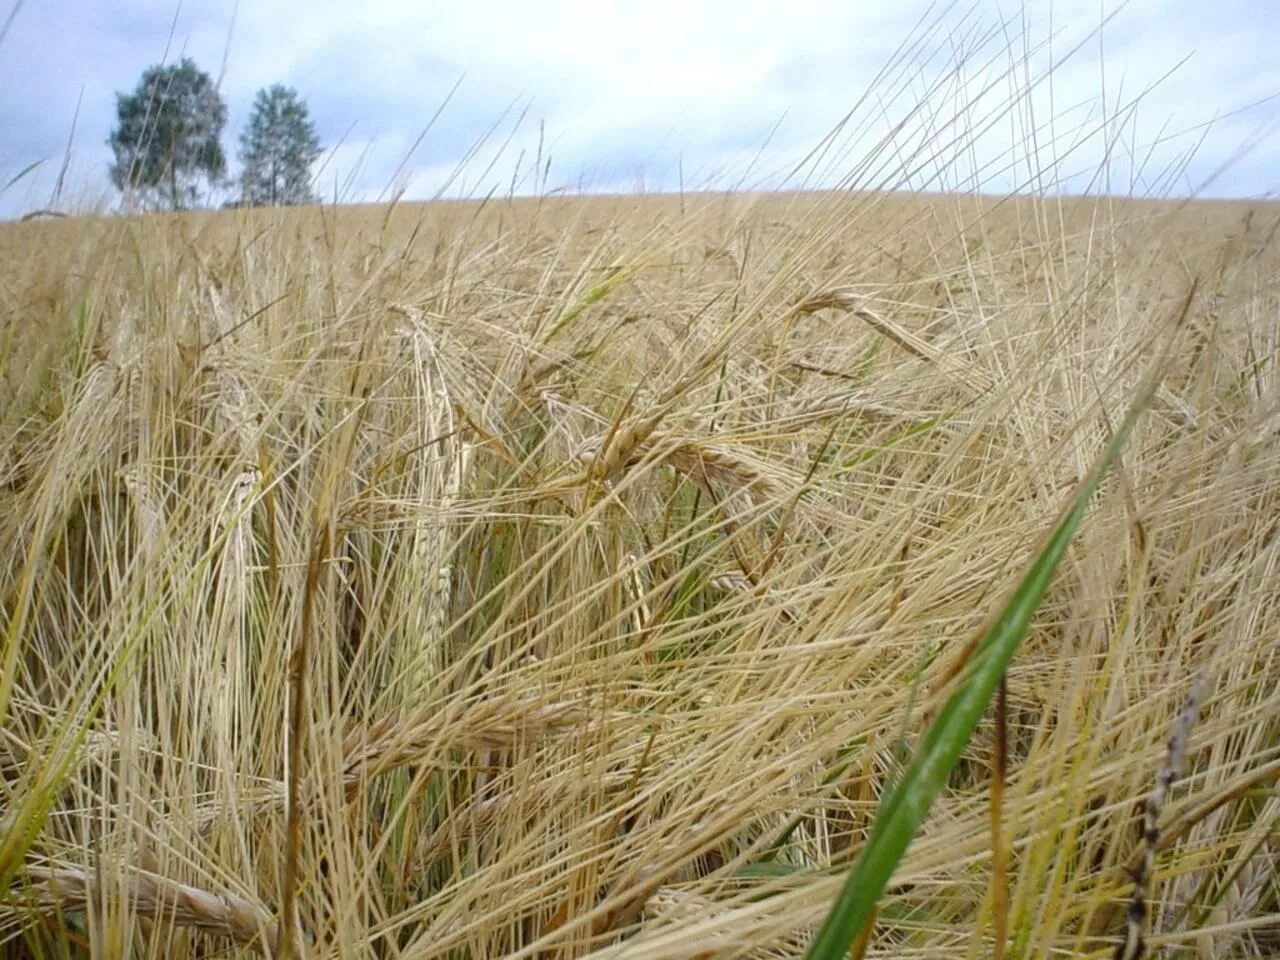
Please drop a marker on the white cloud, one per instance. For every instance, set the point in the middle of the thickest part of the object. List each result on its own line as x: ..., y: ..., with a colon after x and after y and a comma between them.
x: 630, y: 92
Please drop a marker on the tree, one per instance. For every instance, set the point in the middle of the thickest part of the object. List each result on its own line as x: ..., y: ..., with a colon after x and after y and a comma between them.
x: 168, y: 136
x: 277, y: 148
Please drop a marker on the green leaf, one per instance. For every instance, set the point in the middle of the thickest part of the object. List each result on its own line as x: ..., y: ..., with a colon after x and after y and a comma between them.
x: 904, y: 808
x: 766, y: 870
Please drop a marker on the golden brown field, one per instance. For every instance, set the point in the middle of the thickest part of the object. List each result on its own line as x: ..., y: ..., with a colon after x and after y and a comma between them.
x: 573, y: 577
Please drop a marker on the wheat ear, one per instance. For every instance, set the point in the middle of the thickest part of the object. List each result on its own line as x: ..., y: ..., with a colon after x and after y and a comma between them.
x: 1133, y: 946
x: 71, y: 889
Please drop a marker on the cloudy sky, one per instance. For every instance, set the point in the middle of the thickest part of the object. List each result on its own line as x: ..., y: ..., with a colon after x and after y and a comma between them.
x: 461, y: 97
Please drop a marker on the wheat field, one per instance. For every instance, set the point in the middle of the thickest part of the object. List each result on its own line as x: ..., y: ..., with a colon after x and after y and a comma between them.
x: 573, y: 577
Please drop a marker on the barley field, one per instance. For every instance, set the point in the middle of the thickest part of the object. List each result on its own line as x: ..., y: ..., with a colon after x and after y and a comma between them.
x: 577, y: 577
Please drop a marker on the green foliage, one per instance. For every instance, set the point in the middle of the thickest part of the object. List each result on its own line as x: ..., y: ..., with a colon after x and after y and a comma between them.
x: 277, y: 148
x: 168, y: 136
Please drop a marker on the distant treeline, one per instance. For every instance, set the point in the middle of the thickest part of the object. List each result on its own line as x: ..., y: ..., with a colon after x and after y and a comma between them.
x: 168, y: 143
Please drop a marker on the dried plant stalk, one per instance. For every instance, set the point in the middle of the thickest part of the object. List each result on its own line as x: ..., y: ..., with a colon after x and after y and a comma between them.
x: 68, y: 889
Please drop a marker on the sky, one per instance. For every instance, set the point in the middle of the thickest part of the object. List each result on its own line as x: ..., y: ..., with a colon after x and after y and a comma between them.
x: 471, y: 97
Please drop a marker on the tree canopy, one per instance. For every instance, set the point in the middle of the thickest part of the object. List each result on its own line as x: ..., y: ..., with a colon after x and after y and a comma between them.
x: 168, y: 135
x: 277, y: 148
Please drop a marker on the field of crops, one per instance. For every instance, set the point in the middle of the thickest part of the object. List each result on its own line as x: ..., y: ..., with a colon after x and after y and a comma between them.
x: 577, y: 577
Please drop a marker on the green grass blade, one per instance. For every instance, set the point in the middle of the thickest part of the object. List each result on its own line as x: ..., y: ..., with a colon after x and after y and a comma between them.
x: 905, y: 807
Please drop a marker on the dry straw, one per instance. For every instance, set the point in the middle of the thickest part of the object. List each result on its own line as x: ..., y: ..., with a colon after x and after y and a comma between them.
x: 568, y: 577
x: 64, y: 890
